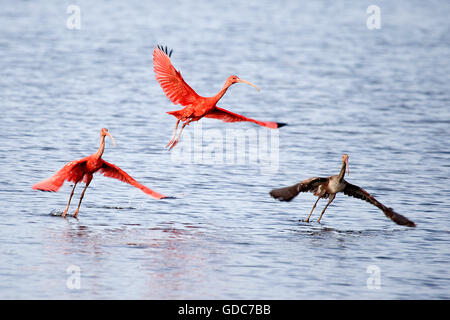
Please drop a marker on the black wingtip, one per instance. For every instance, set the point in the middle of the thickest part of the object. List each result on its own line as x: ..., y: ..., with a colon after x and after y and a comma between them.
x: 285, y: 194
x: 399, y: 219
x: 165, y: 50
x: 281, y: 124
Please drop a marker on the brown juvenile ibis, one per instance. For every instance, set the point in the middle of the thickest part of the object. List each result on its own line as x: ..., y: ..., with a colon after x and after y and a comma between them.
x: 327, y: 188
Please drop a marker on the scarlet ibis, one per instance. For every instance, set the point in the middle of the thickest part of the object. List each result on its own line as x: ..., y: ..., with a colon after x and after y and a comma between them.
x: 327, y: 188
x: 83, y: 170
x: 195, y: 106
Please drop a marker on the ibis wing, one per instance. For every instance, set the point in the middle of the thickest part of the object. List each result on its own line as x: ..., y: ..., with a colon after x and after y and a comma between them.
x: 170, y: 80
x: 359, y: 193
x: 289, y: 193
x: 228, y: 116
x: 73, y: 172
x: 112, y: 171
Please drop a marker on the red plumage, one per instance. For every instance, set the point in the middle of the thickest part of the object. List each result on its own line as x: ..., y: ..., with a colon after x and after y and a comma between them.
x: 83, y: 170
x: 112, y: 171
x: 228, y: 116
x: 72, y: 172
x: 195, y: 106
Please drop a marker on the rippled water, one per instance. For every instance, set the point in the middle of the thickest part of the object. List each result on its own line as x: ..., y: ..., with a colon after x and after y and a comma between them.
x: 382, y: 96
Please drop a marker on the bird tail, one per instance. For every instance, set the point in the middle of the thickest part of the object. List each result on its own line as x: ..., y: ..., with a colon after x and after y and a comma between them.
x: 177, y: 113
x: 398, y: 218
x: 287, y: 193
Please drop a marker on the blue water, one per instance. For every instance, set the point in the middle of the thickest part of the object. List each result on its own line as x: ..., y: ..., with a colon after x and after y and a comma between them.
x: 382, y: 96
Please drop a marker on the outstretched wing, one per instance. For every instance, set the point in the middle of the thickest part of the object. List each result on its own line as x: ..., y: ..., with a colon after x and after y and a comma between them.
x: 227, y: 116
x: 170, y: 80
x: 360, y: 193
x: 289, y: 193
x: 73, y: 172
x: 113, y: 171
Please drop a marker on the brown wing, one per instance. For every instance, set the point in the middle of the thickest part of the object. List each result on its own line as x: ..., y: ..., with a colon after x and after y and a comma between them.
x: 112, y: 171
x: 289, y: 193
x: 360, y: 193
x: 171, y: 81
x: 72, y: 172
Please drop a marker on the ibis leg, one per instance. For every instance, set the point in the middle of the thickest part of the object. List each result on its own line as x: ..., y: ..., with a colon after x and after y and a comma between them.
x: 68, y: 203
x: 81, y: 198
x: 179, y: 135
x: 323, y: 211
x: 174, y: 134
x: 315, y: 203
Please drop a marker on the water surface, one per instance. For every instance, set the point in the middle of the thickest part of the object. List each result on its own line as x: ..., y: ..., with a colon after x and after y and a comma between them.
x: 382, y: 96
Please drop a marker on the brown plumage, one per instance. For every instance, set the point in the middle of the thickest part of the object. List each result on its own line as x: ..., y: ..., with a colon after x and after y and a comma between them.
x: 328, y: 187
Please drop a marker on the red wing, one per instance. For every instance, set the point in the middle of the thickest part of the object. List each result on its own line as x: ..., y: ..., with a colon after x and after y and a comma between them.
x: 170, y: 80
x: 113, y: 171
x: 72, y: 172
x: 227, y: 116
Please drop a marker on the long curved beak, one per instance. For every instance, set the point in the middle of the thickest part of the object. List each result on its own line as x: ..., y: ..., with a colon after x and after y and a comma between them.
x: 346, y: 164
x: 109, y: 135
x: 248, y: 82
